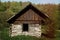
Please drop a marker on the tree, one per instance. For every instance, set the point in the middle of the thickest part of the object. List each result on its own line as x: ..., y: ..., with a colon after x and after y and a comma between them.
x: 59, y: 16
x: 0, y: 2
x: 8, y: 4
x: 20, y: 3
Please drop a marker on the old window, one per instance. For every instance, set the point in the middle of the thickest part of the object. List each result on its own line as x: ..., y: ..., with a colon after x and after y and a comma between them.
x: 25, y: 27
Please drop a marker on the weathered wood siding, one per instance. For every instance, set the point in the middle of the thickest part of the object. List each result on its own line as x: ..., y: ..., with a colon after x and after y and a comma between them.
x: 28, y: 17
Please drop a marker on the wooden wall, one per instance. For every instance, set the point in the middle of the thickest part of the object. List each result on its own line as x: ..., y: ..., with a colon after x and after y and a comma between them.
x: 28, y: 17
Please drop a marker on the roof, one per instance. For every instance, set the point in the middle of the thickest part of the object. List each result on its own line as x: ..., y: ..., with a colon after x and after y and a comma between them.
x: 30, y: 6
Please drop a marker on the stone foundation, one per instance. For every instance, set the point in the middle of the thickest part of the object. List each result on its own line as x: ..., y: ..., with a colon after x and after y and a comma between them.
x: 34, y: 30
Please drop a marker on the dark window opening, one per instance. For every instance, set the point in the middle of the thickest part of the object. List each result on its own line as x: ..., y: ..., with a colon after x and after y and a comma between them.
x: 25, y: 27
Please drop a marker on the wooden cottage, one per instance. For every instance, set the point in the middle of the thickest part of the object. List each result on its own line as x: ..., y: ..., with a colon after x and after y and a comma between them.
x: 27, y: 22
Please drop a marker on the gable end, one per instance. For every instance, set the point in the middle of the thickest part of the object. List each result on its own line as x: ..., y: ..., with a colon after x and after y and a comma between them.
x: 30, y: 6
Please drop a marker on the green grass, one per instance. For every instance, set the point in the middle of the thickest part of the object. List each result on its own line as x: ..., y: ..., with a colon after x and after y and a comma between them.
x: 22, y: 37
x: 4, y: 35
x: 57, y: 35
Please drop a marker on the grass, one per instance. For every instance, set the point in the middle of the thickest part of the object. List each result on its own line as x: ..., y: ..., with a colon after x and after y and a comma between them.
x: 22, y: 37
x: 4, y: 35
x: 57, y: 35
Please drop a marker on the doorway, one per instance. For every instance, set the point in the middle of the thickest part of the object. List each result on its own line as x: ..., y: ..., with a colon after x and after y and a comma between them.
x: 25, y: 27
